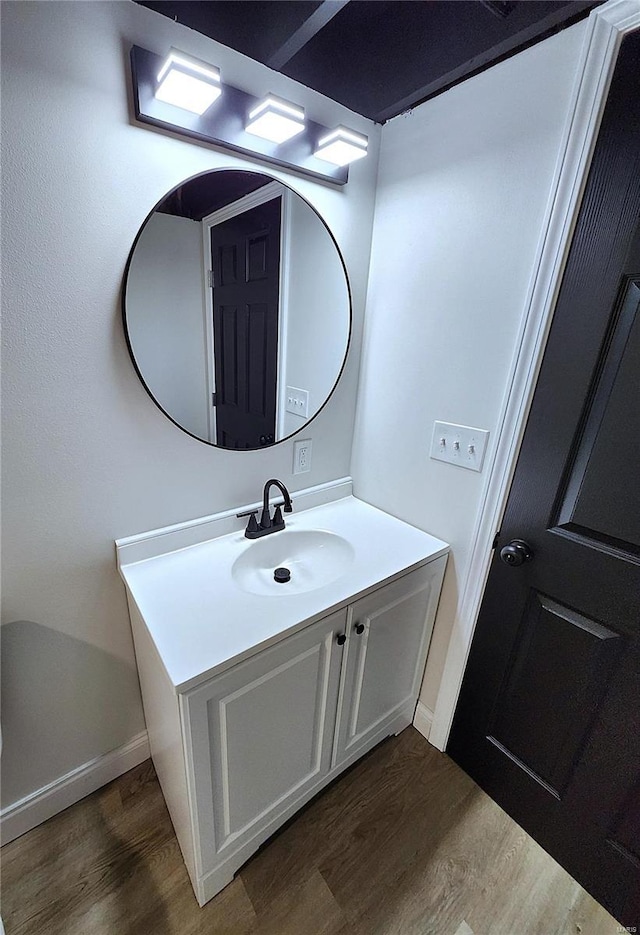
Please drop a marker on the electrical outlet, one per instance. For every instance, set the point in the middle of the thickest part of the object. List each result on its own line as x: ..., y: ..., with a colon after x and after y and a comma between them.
x: 298, y: 401
x: 459, y: 444
x: 302, y: 456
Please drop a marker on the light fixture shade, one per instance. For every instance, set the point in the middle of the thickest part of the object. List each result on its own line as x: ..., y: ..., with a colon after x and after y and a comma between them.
x: 188, y: 83
x: 342, y: 146
x: 275, y: 119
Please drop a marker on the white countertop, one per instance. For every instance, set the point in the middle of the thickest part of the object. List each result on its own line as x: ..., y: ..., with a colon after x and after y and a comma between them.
x: 201, y: 622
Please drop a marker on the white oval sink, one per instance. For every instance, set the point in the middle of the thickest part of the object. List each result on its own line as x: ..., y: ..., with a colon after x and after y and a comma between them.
x: 313, y: 556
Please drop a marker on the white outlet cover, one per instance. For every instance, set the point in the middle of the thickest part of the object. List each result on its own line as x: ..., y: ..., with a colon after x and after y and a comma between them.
x: 302, y: 456
x: 459, y: 444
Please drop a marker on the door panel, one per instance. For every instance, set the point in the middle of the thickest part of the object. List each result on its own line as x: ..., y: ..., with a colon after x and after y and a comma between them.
x: 602, y: 500
x: 556, y: 677
x: 548, y: 719
x: 262, y: 734
x: 385, y: 660
x: 228, y: 265
x: 258, y: 350
x: 247, y: 717
x: 257, y: 257
x: 227, y: 378
x: 385, y: 666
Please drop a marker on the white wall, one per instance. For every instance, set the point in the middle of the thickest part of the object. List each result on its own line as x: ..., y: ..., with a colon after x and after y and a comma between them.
x: 463, y: 186
x: 165, y: 317
x: 317, y: 327
x: 87, y: 456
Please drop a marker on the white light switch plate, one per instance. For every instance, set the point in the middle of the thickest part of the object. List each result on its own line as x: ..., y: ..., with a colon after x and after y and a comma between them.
x: 298, y: 401
x: 459, y: 444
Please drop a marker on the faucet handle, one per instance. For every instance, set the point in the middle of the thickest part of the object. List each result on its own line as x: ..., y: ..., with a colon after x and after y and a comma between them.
x: 252, y: 525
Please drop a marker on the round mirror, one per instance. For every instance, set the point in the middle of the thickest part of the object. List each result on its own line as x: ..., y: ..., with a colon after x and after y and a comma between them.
x: 237, y: 309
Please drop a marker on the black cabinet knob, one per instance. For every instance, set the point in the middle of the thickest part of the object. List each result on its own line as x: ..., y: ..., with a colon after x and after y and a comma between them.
x: 359, y: 628
x: 341, y: 639
x: 516, y: 553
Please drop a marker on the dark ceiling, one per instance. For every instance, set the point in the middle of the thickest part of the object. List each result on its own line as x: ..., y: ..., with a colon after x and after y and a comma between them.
x: 377, y: 57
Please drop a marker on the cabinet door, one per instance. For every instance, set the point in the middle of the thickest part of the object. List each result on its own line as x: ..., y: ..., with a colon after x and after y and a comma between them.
x: 386, y: 649
x: 259, y: 737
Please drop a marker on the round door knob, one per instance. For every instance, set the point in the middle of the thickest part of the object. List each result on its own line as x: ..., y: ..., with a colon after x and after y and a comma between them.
x: 359, y: 628
x: 341, y: 639
x: 516, y: 553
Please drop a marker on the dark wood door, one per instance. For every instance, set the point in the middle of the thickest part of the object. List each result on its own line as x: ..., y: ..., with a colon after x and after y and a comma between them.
x: 548, y: 720
x: 245, y: 253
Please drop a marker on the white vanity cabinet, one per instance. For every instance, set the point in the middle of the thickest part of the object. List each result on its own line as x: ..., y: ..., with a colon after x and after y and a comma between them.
x: 255, y: 699
x: 261, y: 738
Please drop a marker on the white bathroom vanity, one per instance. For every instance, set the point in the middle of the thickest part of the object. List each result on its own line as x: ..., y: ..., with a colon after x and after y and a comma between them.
x: 258, y: 693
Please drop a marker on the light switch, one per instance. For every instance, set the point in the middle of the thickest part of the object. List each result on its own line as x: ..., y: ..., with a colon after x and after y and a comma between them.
x: 459, y: 444
x: 298, y: 401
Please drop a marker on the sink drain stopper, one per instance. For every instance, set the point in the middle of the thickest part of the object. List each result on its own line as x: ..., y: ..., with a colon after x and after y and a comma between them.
x: 281, y: 575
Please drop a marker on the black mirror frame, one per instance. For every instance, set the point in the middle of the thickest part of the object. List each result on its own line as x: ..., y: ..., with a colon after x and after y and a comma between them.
x: 204, y: 441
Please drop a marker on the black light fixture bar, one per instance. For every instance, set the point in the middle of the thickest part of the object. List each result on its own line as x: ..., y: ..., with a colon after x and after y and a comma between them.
x: 223, y: 124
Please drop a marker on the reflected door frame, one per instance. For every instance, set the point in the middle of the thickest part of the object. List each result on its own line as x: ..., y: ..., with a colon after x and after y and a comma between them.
x: 246, y: 203
x: 606, y: 27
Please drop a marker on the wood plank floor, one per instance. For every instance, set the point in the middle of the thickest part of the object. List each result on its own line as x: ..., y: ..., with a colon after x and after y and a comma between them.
x: 403, y: 844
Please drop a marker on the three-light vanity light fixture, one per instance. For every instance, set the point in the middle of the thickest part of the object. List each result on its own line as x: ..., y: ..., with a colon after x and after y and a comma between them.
x: 187, y: 95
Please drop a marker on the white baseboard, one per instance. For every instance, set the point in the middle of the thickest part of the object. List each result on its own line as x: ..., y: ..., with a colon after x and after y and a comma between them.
x: 33, y: 809
x: 423, y: 719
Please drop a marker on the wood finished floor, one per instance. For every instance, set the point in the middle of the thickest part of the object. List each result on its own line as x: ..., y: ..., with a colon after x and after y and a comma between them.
x: 403, y: 844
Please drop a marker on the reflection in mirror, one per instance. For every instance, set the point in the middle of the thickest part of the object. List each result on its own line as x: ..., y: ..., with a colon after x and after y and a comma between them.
x: 237, y: 309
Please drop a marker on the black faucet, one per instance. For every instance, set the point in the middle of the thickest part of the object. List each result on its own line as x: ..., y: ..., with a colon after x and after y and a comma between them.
x: 267, y: 524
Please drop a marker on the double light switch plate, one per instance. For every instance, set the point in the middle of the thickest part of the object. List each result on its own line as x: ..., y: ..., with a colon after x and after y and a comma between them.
x: 459, y: 444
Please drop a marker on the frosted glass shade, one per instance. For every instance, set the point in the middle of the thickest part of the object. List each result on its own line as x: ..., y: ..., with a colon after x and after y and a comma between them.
x: 276, y: 120
x: 188, y: 83
x: 342, y: 146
